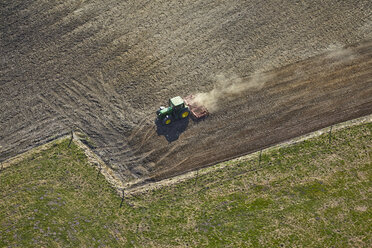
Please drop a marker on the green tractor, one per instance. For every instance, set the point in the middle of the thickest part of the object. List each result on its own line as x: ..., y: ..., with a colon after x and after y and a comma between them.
x: 177, y: 110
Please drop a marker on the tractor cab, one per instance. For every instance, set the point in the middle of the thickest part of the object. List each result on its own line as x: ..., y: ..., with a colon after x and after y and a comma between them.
x: 176, y: 110
x: 176, y: 103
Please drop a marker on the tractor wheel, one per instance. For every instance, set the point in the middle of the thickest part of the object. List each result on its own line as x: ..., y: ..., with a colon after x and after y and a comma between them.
x: 185, y: 113
x: 167, y: 120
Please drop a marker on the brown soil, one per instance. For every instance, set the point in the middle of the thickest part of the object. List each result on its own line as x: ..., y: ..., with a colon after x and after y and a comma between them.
x: 104, y: 67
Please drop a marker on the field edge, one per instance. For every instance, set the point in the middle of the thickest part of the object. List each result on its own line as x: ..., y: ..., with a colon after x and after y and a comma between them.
x: 144, y: 185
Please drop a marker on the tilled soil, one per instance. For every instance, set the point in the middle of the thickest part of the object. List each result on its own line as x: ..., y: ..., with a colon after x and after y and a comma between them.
x: 104, y: 67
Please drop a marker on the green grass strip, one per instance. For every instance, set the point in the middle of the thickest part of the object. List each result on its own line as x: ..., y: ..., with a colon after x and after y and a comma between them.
x: 312, y: 194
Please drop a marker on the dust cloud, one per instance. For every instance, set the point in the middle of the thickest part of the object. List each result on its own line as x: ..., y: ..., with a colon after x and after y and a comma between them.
x: 337, y: 53
x: 229, y: 87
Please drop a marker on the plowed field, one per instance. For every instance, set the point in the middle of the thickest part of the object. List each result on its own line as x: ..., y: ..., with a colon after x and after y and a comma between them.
x: 104, y: 67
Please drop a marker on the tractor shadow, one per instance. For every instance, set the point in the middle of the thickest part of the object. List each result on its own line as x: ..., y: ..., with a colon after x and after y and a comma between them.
x: 173, y: 131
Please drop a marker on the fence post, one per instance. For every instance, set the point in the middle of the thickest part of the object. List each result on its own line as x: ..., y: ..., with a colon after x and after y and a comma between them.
x: 100, y: 168
x: 72, y: 136
x: 330, y: 135
x: 122, y: 199
x: 196, y: 178
x: 259, y: 159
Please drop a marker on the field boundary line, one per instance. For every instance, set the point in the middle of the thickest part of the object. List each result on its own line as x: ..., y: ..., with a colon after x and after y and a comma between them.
x: 16, y: 159
x: 96, y: 161
x: 220, y: 165
x: 141, y: 186
x: 92, y: 158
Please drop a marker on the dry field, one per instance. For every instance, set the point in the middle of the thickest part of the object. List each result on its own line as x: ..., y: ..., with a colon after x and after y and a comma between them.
x: 103, y: 67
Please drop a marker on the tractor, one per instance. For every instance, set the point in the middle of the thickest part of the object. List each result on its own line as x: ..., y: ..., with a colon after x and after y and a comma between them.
x: 177, y: 110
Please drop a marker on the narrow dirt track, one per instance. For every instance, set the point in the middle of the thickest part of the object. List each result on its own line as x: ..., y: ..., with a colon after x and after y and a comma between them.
x: 104, y: 67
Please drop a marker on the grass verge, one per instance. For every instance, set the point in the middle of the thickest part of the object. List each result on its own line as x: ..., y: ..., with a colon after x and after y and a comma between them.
x: 309, y: 194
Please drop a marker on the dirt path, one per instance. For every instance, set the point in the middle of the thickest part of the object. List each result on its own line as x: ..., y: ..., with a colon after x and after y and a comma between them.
x: 105, y: 66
